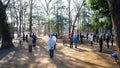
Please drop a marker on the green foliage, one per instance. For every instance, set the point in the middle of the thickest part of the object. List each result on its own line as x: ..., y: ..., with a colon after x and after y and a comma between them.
x: 59, y: 21
x: 101, y: 12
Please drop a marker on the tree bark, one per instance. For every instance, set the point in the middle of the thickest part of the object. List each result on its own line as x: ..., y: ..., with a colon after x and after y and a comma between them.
x: 69, y: 1
x: 6, y: 36
x: 30, y: 25
x: 114, y: 6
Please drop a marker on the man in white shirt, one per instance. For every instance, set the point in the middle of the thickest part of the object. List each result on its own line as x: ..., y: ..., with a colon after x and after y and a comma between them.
x: 51, y: 44
x: 55, y: 39
x: 91, y: 39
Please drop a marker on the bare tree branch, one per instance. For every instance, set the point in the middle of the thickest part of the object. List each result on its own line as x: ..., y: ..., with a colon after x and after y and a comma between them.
x: 43, y: 6
x: 7, y: 4
x: 76, y: 17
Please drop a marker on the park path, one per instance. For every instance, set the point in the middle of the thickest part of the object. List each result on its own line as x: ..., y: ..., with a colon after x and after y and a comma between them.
x: 85, y: 56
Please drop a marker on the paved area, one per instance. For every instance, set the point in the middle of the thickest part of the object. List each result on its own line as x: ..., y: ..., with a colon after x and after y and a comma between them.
x: 85, y: 56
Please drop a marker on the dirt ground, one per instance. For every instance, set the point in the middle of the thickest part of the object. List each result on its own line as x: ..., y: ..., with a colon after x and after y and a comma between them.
x: 85, y: 56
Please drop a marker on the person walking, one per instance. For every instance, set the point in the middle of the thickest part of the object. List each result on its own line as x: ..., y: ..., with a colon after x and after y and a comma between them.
x: 91, y: 39
x: 55, y: 39
x: 51, y: 44
x: 101, y: 43
x: 30, y: 43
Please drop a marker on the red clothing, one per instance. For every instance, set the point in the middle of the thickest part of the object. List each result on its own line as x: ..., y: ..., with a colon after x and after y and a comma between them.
x: 69, y: 36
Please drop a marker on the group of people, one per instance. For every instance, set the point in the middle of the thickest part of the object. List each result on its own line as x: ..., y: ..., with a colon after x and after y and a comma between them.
x: 72, y: 39
x: 75, y: 39
x: 99, y: 38
x: 30, y: 39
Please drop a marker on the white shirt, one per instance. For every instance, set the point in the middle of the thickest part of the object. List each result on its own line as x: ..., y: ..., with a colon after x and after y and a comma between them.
x: 91, y: 37
x: 30, y: 41
x: 51, y: 44
x: 54, y: 38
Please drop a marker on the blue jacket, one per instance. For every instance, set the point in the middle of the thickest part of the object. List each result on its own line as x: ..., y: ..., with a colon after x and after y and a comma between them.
x: 75, y: 38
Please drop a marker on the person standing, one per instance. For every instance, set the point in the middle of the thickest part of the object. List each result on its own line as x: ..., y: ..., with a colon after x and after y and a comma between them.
x: 87, y: 35
x: 26, y: 37
x: 20, y: 42
x: 55, y: 39
x: 51, y: 44
x: 23, y: 36
x: 97, y: 38
x: 81, y: 38
x: 101, y: 43
x: 107, y: 41
x: 34, y: 40
x: 71, y: 42
x: 75, y: 39
x: 30, y: 43
x: 111, y: 39
x: 91, y: 39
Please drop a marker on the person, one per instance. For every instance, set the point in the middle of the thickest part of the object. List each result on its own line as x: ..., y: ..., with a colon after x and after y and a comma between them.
x: 30, y: 43
x: 87, y: 35
x: 75, y: 40
x: 26, y: 37
x: 71, y: 42
x: 55, y: 39
x: 34, y: 40
x: 107, y: 41
x: 97, y: 38
x: 81, y: 38
x: 104, y: 36
x: 20, y: 42
x: 115, y: 56
x: 101, y: 43
x: 64, y: 40
x: 91, y: 39
x: 23, y: 36
x: 78, y: 36
x: 111, y: 39
x: 94, y: 37
x: 56, y: 35
x: 69, y: 35
x: 51, y: 44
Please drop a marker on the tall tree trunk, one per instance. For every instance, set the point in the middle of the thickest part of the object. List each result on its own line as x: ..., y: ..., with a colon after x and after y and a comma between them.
x: 30, y: 25
x: 6, y: 36
x: 114, y: 6
x: 69, y: 16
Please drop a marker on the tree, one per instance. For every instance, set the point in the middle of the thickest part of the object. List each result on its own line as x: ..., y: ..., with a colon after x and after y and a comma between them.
x: 47, y: 8
x: 114, y: 6
x: 69, y: 1
x: 30, y: 20
x: 101, y: 11
x: 101, y: 6
x: 6, y: 36
x: 77, y: 15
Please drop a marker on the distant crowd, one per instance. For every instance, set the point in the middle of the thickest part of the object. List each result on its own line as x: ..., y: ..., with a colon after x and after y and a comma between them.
x: 99, y: 38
